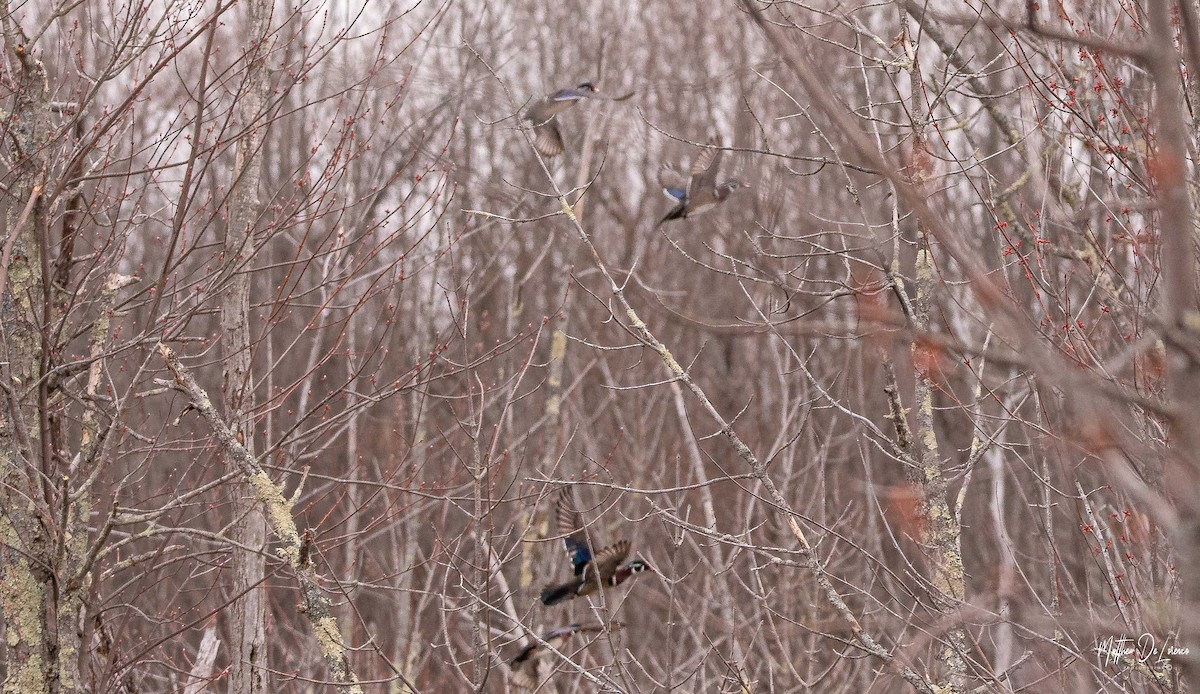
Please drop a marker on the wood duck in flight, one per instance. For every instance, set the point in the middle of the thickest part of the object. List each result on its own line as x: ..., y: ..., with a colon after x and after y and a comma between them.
x: 533, y: 663
x: 542, y: 114
x: 699, y: 191
x: 607, y: 566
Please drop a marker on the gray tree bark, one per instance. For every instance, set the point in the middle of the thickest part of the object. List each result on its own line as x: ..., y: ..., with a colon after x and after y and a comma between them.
x: 248, y: 674
x: 26, y: 567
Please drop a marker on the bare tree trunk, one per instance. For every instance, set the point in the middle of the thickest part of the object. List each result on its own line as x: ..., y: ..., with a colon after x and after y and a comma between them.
x: 30, y: 652
x: 248, y: 675
x: 1180, y: 303
x: 941, y: 525
x: 297, y: 549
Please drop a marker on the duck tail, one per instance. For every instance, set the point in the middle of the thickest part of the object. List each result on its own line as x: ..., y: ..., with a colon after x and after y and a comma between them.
x: 679, y: 212
x: 553, y: 595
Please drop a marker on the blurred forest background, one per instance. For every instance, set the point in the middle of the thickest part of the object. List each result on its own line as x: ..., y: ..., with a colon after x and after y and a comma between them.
x: 301, y: 339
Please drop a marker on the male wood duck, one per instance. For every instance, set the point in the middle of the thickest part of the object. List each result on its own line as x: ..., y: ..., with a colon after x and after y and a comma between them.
x: 547, y: 138
x: 608, y: 566
x: 699, y: 191
x: 533, y: 664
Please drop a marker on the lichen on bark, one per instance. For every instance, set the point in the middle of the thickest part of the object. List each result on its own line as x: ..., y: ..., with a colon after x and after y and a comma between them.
x: 24, y: 562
